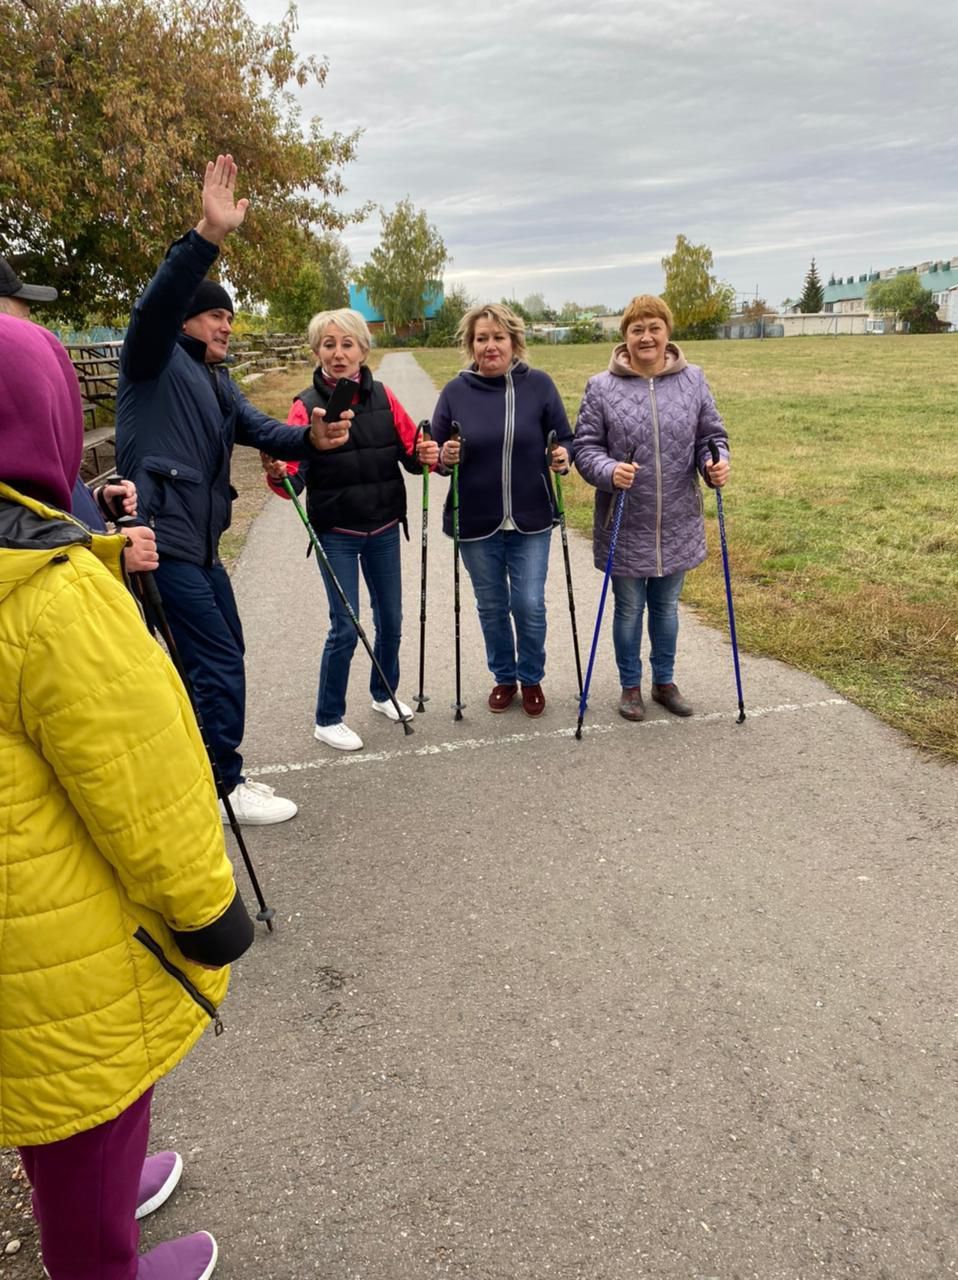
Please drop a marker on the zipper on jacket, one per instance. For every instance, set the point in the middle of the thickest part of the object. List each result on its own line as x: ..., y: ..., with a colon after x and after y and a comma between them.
x: 207, y: 1006
x: 509, y: 436
x: 658, y: 478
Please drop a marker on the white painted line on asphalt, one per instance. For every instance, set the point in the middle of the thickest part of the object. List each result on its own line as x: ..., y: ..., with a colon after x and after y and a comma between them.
x: 510, y: 739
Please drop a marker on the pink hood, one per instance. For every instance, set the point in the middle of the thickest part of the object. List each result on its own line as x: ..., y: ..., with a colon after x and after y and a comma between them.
x: 41, y: 417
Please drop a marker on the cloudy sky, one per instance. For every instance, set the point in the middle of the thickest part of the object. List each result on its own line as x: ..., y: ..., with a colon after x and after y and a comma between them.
x: 559, y: 148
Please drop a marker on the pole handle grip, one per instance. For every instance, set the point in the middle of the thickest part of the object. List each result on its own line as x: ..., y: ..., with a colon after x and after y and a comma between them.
x: 714, y: 451
x: 551, y: 446
x: 455, y: 433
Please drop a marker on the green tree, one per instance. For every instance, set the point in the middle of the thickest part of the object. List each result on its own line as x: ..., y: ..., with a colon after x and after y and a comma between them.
x: 922, y: 317
x: 903, y: 298
x: 698, y: 301
x: 518, y: 308
x: 442, y: 329
x: 321, y: 284
x: 535, y: 307
x: 407, y: 262
x: 569, y: 311
x: 813, y: 295
x: 582, y: 329
x: 109, y: 111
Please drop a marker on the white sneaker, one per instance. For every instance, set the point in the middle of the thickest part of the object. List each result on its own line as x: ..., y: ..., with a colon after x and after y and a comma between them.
x: 256, y: 805
x: 387, y: 709
x: 339, y: 736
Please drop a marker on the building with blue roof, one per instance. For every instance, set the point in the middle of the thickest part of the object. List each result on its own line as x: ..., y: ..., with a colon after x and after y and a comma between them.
x: 359, y: 301
x: 847, y: 294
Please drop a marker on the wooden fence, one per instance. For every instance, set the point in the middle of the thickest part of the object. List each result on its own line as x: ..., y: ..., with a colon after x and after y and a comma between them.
x: 97, y: 366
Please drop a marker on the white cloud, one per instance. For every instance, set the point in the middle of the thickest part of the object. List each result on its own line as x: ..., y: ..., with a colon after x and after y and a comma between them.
x: 560, y: 147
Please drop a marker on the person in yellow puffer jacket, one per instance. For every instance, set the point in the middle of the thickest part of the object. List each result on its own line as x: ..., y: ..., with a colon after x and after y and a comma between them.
x: 118, y: 907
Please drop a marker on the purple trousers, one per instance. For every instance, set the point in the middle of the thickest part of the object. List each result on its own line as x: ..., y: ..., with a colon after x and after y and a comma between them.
x: 84, y: 1197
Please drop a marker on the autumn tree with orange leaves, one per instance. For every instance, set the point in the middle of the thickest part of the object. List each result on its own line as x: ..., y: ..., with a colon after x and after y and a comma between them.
x: 109, y: 110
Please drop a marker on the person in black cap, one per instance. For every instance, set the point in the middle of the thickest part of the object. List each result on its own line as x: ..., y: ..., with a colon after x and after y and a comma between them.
x: 179, y: 414
x: 15, y: 296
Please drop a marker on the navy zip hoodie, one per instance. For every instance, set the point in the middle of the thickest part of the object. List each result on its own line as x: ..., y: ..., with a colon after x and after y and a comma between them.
x: 505, y: 422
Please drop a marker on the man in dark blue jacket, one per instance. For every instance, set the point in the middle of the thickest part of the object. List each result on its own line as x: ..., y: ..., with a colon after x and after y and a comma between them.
x: 179, y: 415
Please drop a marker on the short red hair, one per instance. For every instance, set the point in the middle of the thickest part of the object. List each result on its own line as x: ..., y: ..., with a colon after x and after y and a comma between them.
x: 645, y: 306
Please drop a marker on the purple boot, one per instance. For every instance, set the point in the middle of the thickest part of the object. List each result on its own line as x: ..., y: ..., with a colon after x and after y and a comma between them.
x: 188, y: 1258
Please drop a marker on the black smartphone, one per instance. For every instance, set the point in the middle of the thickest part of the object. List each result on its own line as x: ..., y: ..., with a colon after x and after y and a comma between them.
x: 341, y: 399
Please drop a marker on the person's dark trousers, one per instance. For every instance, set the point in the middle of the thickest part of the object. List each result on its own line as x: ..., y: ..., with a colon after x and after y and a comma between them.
x: 206, y: 627
x: 85, y: 1190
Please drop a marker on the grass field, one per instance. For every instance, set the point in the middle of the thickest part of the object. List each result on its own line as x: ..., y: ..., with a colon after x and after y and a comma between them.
x: 841, y: 511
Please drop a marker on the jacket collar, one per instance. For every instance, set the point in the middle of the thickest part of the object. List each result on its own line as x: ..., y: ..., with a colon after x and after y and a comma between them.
x: 475, y: 379
x: 195, y: 349
x: 675, y: 362
x: 39, y: 532
x: 324, y: 389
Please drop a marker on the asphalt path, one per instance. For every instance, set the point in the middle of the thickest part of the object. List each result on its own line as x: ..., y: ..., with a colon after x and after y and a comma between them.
x: 677, y: 1000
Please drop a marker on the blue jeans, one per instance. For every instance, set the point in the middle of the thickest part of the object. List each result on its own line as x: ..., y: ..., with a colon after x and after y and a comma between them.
x: 201, y: 610
x: 632, y: 597
x: 378, y: 556
x: 508, y: 573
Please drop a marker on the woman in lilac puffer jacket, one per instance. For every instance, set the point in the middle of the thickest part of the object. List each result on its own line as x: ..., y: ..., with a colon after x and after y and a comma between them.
x: 653, y: 402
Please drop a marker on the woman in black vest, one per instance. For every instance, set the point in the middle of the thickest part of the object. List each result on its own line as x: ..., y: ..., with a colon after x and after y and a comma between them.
x: 356, y: 501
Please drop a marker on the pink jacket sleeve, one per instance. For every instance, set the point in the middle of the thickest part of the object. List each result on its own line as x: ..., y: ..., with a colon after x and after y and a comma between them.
x: 298, y: 417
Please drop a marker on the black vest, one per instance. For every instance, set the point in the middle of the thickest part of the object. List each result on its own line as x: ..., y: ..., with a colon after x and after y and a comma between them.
x: 359, y: 485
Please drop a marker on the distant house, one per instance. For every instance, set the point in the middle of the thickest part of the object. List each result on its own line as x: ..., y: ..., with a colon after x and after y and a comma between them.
x: 610, y: 323
x: 847, y: 295
x: 431, y: 302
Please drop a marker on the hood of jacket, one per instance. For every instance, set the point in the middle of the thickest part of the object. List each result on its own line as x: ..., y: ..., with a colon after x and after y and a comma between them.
x: 675, y: 362
x: 41, y: 416
x: 36, y: 533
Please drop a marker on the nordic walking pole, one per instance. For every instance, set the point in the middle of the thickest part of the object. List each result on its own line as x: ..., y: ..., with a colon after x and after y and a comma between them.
x: 617, y: 521
x: 322, y: 562
x: 556, y: 478
x: 422, y: 433
x: 154, y: 603
x: 713, y: 450
x: 456, y: 434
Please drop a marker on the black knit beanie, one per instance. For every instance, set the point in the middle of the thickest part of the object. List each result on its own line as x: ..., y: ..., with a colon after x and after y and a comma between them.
x: 210, y: 296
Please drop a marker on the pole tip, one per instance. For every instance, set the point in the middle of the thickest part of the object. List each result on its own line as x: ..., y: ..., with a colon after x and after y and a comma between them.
x: 407, y: 728
x: 266, y: 916
x: 740, y: 718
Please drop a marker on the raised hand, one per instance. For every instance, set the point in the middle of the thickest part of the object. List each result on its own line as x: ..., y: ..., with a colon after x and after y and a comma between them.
x: 222, y: 212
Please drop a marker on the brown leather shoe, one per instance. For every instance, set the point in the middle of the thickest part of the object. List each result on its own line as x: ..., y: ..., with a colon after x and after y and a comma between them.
x: 668, y: 696
x: 501, y: 697
x: 631, y: 706
x: 533, y: 699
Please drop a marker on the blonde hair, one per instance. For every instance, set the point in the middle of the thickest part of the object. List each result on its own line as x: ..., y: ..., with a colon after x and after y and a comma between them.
x: 501, y: 315
x: 644, y: 307
x: 350, y: 322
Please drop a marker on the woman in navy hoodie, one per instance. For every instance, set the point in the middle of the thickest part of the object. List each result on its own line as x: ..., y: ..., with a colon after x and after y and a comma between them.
x: 505, y: 411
